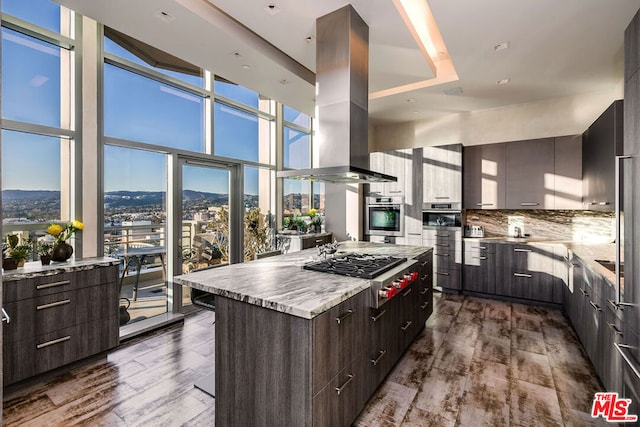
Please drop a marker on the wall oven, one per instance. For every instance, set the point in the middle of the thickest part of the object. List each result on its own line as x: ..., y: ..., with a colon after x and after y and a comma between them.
x: 384, y: 216
x: 441, y: 215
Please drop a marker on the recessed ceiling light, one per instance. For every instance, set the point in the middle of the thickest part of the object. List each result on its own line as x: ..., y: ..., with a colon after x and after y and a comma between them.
x: 164, y: 16
x: 503, y: 81
x: 272, y: 9
x: 501, y: 46
x: 453, y: 91
x: 284, y: 81
x: 308, y: 39
x: 246, y: 67
x: 411, y: 100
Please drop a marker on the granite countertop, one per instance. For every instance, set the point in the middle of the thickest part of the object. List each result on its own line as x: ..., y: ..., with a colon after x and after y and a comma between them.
x: 279, y: 283
x: 36, y: 269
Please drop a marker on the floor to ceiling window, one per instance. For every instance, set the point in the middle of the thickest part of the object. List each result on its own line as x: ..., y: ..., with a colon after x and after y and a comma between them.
x: 38, y: 115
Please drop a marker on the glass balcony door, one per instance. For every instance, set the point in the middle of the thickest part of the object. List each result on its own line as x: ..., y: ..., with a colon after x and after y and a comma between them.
x: 205, y: 238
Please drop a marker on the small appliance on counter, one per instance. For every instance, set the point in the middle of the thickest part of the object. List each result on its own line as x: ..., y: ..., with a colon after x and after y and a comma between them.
x: 473, y: 231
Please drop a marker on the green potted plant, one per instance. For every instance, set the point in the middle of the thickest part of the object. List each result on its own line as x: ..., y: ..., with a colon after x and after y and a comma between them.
x: 45, y: 250
x: 15, y: 254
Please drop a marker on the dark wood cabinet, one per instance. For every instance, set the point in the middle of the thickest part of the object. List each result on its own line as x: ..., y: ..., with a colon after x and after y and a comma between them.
x: 58, y: 319
x: 529, y: 164
x: 525, y: 271
x: 568, y: 172
x: 479, y: 270
x: 484, y: 177
x: 442, y: 174
x: 447, y: 256
x: 601, y: 142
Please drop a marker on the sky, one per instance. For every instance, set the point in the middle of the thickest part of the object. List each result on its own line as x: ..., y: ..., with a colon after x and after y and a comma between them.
x: 135, y: 108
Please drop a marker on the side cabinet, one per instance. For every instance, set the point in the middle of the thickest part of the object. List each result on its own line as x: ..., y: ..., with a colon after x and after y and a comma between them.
x: 58, y: 319
x: 529, y: 164
x: 484, y: 178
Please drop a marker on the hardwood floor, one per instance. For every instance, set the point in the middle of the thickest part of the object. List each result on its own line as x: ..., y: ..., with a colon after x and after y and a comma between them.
x: 478, y: 362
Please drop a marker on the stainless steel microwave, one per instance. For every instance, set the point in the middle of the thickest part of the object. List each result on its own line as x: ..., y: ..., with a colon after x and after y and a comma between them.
x: 384, y: 216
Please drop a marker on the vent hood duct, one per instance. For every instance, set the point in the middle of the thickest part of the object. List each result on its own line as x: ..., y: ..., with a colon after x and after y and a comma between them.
x: 342, y: 85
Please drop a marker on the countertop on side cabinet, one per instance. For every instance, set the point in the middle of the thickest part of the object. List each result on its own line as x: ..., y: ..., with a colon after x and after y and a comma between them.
x: 36, y: 269
x: 280, y: 283
x: 295, y: 235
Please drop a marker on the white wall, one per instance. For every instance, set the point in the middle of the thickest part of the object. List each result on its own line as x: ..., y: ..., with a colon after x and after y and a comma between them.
x: 568, y: 115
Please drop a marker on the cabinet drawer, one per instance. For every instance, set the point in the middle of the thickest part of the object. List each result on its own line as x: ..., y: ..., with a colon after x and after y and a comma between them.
x: 48, y: 313
x: 447, y: 279
x: 441, y: 234
x: 34, y: 355
x: 338, y: 338
x: 340, y: 401
x: 381, y: 351
x: 46, y: 285
x: 479, y: 247
x: 446, y: 259
x: 313, y: 241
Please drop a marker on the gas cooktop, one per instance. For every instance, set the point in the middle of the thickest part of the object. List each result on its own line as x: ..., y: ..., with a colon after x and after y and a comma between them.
x: 356, y: 265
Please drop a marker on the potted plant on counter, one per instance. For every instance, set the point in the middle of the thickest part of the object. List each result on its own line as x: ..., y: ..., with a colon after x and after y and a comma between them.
x: 14, y: 253
x: 45, y: 251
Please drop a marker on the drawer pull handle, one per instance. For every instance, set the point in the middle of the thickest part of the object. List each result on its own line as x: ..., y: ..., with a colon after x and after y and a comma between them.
x: 444, y: 245
x: 484, y: 204
x: 53, y: 304
x: 425, y: 305
x: 615, y: 329
x: 442, y: 273
x: 346, y: 383
x: 632, y: 365
x: 442, y: 197
x: 53, y: 284
x: 378, y: 316
x: 424, y: 277
x: 424, y: 291
x: 52, y: 342
x: 341, y: 319
x: 441, y: 254
x: 406, y: 325
x: 414, y: 234
x: 422, y: 264
x: 482, y: 247
x: 521, y: 250
x: 479, y: 257
x: 319, y: 240
x: 595, y: 306
x: 407, y: 292
x: 5, y: 316
x: 442, y: 235
x: 395, y: 191
x: 614, y: 305
x: 585, y: 293
x: 379, y: 358
x: 522, y: 275
x: 529, y: 204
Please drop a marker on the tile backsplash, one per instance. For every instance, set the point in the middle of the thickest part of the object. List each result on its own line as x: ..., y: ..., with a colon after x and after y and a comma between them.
x: 578, y: 226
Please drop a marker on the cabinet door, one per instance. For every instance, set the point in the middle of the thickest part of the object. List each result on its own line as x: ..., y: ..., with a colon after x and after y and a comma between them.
x: 530, y: 174
x: 479, y: 271
x: 395, y: 165
x: 382, y: 350
x: 376, y: 164
x: 610, y: 373
x: 568, y: 172
x: 338, y: 338
x: 484, y: 176
x: 442, y: 174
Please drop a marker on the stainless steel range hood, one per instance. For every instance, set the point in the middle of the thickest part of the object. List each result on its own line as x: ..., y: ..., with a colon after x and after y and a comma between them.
x: 342, y: 86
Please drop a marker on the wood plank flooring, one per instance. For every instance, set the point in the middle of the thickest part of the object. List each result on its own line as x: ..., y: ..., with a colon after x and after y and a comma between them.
x: 478, y: 362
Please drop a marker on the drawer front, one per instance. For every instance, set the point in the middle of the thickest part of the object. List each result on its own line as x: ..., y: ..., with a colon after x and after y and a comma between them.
x: 381, y: 352
x: 446, y: 259
x: 63, y: 282
x: 340, y: 401
x: 449, y: 279
x: 44, y: 352
x: 441, y: 235
x: 49, y: 313
x: 338, y: 338
x: 425, y: 309
x: 479, y: 246
x: 312, y: 242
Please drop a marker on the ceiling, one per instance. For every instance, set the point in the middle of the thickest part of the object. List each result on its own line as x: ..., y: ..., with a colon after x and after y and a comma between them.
x: 556, y: 48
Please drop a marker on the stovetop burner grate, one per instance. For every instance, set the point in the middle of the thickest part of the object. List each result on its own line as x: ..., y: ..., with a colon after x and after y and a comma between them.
x: 365, y: 266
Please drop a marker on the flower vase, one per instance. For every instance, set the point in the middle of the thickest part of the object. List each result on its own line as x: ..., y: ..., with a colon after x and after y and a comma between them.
x: 61, y: 252
x: 9, y: 264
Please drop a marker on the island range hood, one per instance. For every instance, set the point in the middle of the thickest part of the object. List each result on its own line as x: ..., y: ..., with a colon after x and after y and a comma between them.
x: 342, y: 86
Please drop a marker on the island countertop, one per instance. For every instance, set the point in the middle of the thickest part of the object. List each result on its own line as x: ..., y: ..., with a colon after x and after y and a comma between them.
x: 280, y: 283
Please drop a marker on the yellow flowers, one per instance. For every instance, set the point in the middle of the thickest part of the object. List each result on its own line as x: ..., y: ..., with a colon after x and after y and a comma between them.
x: 64, y: 232
x: 312, y: 212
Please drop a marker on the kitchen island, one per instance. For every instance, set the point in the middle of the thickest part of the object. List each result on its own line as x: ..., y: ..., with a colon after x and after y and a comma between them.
x: 299, y: 347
